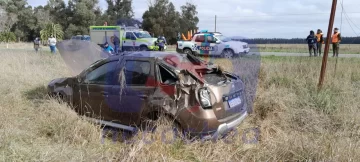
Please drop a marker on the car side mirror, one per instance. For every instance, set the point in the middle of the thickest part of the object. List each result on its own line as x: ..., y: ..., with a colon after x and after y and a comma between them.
x: 79, y: 79
x: 217, y: 42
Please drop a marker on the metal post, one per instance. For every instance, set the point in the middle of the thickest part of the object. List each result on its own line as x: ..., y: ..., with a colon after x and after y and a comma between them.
x: 215, y: 23
x: 328, y: 38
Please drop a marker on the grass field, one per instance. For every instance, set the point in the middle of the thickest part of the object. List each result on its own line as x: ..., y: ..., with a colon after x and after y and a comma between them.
x: 295, y: 122
x: 289, y: 48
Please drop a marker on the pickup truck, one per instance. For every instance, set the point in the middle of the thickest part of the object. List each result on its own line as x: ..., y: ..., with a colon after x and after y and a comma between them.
x: 213, y: 44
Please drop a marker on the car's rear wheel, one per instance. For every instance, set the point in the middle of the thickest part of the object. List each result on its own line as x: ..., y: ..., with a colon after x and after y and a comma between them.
x: 143, y: 48
x: 163, y: 125
x: 228, y: 53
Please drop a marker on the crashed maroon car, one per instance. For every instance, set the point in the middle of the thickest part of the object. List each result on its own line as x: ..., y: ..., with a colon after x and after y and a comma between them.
x: 123, y: 90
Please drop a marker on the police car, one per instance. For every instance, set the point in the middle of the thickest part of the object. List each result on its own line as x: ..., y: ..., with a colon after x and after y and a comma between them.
x: 212, y: 44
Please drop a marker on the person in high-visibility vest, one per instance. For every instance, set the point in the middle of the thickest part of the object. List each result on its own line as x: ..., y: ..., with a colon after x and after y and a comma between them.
x: 320, y: 41
x: 336, y: 39
x: 161, y: 42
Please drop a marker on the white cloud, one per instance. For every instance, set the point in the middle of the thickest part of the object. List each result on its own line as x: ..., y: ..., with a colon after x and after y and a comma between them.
x: 262, y: 18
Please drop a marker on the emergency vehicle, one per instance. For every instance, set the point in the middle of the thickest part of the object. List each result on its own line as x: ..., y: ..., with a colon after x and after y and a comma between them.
x: 131, y: 38
x: 212, y: 44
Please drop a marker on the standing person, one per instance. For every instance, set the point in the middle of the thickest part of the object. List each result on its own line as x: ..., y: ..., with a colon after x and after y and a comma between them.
x: 116, y: 42
x: 336, y: 39
x: 320, y: 41
x: 178, y: 36
x: 311, y: 40
x: 161, y: 42
x: 36, y: 44
x: 52, y: 44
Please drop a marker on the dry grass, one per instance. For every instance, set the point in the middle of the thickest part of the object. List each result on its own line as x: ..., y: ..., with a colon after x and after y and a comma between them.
x: 295, y: 122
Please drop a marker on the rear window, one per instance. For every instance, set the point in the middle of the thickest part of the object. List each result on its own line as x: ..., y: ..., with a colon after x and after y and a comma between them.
x: 212, y: 77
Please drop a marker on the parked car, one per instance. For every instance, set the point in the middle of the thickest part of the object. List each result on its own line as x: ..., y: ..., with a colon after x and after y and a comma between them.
x: 81, y: 37
x: 127, y: 89
x: 212, y: 44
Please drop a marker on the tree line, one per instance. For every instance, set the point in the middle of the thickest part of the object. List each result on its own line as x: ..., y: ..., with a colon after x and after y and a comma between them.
x: 21, y: 22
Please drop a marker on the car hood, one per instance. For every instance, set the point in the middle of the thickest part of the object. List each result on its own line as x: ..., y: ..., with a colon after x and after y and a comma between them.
x: 59, y: 81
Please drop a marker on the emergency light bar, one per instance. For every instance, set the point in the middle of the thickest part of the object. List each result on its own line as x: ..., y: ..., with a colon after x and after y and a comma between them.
x: 203, y: 31
x: 131, y: 28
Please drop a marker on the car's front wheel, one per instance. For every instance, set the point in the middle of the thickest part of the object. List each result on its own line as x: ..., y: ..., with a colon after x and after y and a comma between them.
x: 228, y: 53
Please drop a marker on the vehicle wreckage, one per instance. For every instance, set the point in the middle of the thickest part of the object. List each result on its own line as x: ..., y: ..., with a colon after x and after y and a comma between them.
x: 125, y: 90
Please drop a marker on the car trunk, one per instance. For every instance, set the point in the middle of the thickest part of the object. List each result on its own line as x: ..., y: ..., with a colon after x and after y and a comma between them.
x: 226, y: 92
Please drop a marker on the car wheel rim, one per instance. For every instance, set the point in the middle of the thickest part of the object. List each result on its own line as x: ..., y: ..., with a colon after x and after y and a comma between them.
x: 228, y: 54
x: 187, y: 52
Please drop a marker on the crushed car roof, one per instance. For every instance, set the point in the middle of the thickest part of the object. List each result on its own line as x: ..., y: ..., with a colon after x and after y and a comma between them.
x: 150, y: 55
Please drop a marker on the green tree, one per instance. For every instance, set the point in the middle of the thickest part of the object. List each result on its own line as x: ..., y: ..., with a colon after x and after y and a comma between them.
x: 52, y: 29
x: 188, y: 19
x: 118, y: 9
x: 7, y: 20
x: 162, y: 18
x: 83, y: 15
x: 24, y: 13
x: 58, y: 12
x: 7, y: 37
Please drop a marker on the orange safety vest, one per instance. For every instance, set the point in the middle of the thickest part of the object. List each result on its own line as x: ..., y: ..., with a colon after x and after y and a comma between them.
x: 335, y: 38
x: 319, y: 37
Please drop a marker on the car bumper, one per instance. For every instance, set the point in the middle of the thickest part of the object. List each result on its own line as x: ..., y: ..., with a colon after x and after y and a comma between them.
x: 179, y: 50
x: 224, y: 128
x: 245, y: 50
x: 209, y: 127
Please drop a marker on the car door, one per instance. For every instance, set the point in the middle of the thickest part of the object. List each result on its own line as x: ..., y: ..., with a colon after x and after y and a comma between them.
x: 129, y: 42
x: 199, y: 40
x: 94, y: 90
x: 216, y: 46
x: 132, y: 92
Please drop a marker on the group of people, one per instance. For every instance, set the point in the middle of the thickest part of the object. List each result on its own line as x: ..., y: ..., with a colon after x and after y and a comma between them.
x: 51, y: 42
x: 161, y: 42
x: 315, y: 42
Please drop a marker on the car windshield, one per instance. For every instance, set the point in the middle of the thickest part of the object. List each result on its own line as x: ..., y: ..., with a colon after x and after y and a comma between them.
x: 142, y: 34
x: 223, y: 38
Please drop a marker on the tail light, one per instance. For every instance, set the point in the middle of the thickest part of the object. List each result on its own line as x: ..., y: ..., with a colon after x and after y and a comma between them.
x: 204, y: 97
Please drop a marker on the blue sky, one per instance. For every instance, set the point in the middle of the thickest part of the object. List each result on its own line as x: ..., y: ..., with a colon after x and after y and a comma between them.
x: 263, y: 18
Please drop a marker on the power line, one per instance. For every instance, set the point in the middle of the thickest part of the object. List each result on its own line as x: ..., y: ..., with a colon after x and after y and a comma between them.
x: 348, y: 20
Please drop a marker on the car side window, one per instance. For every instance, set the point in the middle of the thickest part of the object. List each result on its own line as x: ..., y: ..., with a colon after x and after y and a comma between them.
x: 102, y: 74
x: 137, y: 72
x: 129, y: 35
x: 210, y: 39
x: 166, y: 76
x: 200, y: 38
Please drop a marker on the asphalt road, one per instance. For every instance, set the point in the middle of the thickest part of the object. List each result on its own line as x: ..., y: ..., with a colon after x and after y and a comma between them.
x: 251, y: 53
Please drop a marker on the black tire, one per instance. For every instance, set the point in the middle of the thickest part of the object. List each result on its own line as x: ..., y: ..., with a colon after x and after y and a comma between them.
x: 143, y: 48
x: 228, y: 53
x: 188, y: 51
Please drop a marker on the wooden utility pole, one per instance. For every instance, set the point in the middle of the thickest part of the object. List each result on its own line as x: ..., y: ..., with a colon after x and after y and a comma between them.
x: 215, y: 23
x: 327, y: 45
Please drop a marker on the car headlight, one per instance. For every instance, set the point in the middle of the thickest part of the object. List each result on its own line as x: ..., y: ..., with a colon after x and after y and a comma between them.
x: 204, y: 96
